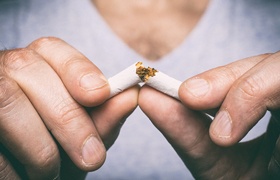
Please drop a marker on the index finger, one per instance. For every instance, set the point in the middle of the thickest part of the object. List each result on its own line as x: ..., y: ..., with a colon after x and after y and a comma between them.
x: 64, y: 117
x: 82, y: 78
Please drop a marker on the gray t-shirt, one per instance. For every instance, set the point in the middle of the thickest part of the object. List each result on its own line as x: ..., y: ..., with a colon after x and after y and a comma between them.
x: 228, y: 31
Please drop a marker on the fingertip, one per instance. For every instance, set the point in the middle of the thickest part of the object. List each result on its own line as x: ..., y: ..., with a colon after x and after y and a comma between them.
x: 93, y: 153
x: 93, y: 89
x: 196, y: 87
x: 125, y: 102
x: 92, y: 81
x: 143, y: 97
x: 131, y: 96
x: 221, y: 129
x: 89, y: 154
x: 224, y: 131
x: 194, y: 93
x: 222, y: 141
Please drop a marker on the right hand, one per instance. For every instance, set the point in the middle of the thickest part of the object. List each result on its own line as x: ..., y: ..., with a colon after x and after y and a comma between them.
x: 43, y: 91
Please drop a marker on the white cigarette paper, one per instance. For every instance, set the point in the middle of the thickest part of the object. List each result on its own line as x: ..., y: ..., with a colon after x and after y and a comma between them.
x: 137, y: 73
x: 165, y: 84
x: 123, y: 80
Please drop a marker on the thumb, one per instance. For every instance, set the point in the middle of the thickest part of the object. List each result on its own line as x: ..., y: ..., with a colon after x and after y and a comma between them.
x: 207, y: 90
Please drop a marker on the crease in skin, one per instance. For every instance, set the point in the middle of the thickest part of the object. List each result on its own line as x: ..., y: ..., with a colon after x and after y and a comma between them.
x: 197, y: 142
x: 92, y: 81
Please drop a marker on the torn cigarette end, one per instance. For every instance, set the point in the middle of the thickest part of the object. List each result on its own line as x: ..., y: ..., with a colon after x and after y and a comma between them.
x: 158, y: 80
x: 123, y: 80
x: 145, y: 73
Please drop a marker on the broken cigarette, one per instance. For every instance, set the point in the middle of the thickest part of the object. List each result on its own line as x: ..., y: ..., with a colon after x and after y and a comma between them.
x: 123, y: 80
x: 137, y: 73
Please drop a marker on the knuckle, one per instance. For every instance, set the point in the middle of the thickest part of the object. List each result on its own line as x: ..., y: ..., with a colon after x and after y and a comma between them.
x: 251, y: 87
x: 4, y: 88
x: 8, y: 92
x: 71, y: 62
x: 67, y: 61
x: 66, y: 110
x: 43, y: 42
x: 229, y: 72
x: 47, y: 158
x: 265, y: 55
x: 17, y: 59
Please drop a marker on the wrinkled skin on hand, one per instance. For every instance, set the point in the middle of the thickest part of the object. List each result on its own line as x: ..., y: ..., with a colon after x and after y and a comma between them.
x: 54, y: 112
x: 237, y: 95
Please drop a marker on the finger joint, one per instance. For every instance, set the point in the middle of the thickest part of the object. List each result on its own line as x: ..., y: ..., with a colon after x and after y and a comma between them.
x: 65, y: 111
x: 15, y: 60
x: 46, y: 159
x: 251, y: 87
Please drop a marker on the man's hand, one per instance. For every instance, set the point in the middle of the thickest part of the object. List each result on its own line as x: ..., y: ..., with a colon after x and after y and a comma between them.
x: 241, y: 92
x: 43, y: 91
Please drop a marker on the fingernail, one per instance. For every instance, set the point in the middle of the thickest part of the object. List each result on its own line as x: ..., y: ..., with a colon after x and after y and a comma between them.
x: 198, y: 87
x: 92, y: 81
x: 93, y: 151
x: 222, y: 125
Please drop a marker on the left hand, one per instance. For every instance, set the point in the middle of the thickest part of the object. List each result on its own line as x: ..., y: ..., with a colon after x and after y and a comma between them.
x: 242, y: 91
x: 45, y: 130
